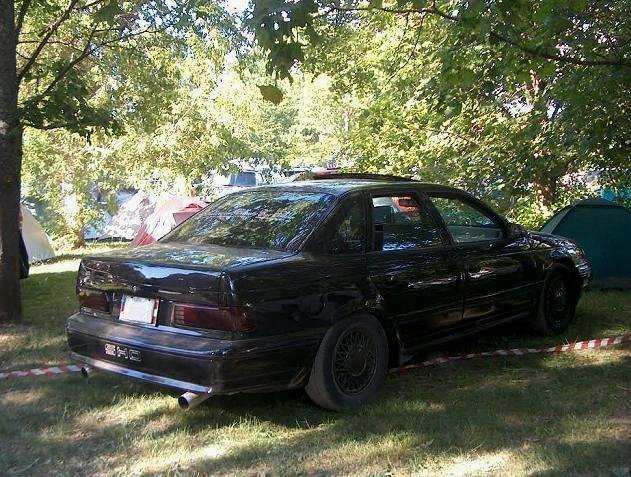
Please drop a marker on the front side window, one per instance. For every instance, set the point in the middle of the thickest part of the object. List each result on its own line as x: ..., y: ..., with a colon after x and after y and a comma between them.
x: 465, y: 222
x: 401, y: 223
x: 254, y: 219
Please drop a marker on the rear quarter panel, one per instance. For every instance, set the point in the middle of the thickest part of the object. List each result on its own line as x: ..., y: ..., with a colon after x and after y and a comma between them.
x: 303, y: 293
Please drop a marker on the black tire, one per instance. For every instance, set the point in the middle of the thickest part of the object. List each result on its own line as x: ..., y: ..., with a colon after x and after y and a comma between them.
x: 351, y: 364
x: 557, y: 303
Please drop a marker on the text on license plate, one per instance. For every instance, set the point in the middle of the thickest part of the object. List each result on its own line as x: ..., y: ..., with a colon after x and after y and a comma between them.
x: 122, y: 352
x: 137, y: 309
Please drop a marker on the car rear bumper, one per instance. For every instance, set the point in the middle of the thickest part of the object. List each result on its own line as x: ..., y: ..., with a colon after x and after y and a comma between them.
x: 191, y: 362
x: 132, y: 373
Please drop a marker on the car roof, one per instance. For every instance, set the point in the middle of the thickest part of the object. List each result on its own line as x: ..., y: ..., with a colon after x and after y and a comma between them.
x: 339, y: 187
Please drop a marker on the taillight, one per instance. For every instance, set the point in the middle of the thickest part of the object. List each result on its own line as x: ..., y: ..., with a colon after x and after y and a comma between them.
x: 94, y: 300
x: 233, y: 318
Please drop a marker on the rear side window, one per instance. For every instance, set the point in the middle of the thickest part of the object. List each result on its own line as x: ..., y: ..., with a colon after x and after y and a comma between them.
x: 401, y: 223
x: 349, y: 229
x: 465, y: 222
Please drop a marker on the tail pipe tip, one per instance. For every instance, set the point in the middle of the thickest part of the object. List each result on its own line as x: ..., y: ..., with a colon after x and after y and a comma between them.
x: 189, y: 400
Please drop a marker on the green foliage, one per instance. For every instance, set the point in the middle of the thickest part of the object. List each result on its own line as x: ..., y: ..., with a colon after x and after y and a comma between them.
x: 71, y: 177
x: 274, y: 22
x: 271, y: 93
x: 65, y: 50
x: 510, y: 100
x: 181, y: 114
x: 513, y: 101
x: 116, y: 94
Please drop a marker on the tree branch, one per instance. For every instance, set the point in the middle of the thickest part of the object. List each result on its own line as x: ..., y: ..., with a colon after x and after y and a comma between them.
x: 84, y: 54
x: 51, y: 126
x: 433, y: 10
x: 20, y: 19
x: 52, y: 42
x: 88, y: 5
x: 555, y: 57
x: 87, y: 51
x: 412, y: 51
x: 49, y: 32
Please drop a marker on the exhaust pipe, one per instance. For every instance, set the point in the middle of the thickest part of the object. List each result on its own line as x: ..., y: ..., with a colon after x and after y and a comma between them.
x: 86, y: 371
x: 189, y: 400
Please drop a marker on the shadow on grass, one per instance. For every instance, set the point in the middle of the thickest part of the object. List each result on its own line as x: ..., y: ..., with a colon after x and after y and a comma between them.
x: 429, y: 415
x: 522, y: 405
x: 548, y: 412
x: 48, y: 299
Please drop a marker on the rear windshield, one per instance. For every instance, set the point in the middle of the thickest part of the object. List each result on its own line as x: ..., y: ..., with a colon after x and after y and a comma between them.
x: 254, y: 219
x: 242, y: 179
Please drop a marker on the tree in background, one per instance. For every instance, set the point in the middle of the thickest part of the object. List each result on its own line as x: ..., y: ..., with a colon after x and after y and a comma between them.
x: 75, y: 178
x: 181, y: 114
x: 48, y: 53
x: 511, y: 99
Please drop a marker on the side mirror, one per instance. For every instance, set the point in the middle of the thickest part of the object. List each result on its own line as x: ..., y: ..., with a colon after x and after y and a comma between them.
x: 515, y: 230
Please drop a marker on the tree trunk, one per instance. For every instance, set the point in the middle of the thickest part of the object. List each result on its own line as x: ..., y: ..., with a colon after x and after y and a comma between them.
x: 79, y: 237
x: 10, y: 167
x: 546, y: 190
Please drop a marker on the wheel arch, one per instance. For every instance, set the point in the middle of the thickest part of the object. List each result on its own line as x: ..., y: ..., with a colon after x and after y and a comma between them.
x: 574, y: 275
x: 390, y: 329
x: 392, y: 335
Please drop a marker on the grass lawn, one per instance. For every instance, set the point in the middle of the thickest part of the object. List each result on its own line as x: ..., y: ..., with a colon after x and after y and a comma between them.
x: 567, y: 414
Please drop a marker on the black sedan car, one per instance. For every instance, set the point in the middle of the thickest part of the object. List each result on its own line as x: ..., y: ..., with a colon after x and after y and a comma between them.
x: 321, y: 284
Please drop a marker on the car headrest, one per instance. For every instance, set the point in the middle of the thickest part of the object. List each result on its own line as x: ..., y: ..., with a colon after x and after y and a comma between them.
x: 382, y: 214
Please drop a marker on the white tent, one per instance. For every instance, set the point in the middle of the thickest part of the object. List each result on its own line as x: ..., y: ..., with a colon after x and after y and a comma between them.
x: 130, y: 216
x: 35, y: 239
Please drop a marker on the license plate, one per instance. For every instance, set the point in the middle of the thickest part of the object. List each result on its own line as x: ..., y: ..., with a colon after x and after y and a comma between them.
x: 138, y: 310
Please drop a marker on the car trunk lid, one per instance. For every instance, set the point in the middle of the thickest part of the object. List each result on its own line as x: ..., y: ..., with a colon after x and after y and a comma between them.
x: 169, y: 272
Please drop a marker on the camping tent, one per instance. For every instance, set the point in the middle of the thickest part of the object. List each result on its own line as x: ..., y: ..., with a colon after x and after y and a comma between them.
x: 130, y: 216
x: 603, y: 229
x: 35, y: 239
x: 166, y: 217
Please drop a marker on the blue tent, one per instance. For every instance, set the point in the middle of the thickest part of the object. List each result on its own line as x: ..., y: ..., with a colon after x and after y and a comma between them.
x: 603, y: 229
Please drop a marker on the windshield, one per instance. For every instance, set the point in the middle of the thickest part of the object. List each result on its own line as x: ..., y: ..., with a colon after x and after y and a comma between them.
x: 255, y: 219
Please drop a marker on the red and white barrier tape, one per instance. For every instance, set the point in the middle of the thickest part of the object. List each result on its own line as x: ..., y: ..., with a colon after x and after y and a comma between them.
x: 71, y: 368
x: 576, y: 346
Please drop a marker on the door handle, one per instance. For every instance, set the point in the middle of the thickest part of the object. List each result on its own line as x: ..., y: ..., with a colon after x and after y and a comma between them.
x: 474, y: 269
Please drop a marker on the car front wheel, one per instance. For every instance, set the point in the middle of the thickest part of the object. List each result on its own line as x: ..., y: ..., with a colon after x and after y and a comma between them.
x: 557, y: 304
x: 351, y: 364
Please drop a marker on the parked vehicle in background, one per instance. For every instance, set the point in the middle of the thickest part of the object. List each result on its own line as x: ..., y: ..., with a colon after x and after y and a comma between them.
x: 321, y: 284
x: 244, y: 179
x: 216, y: 185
